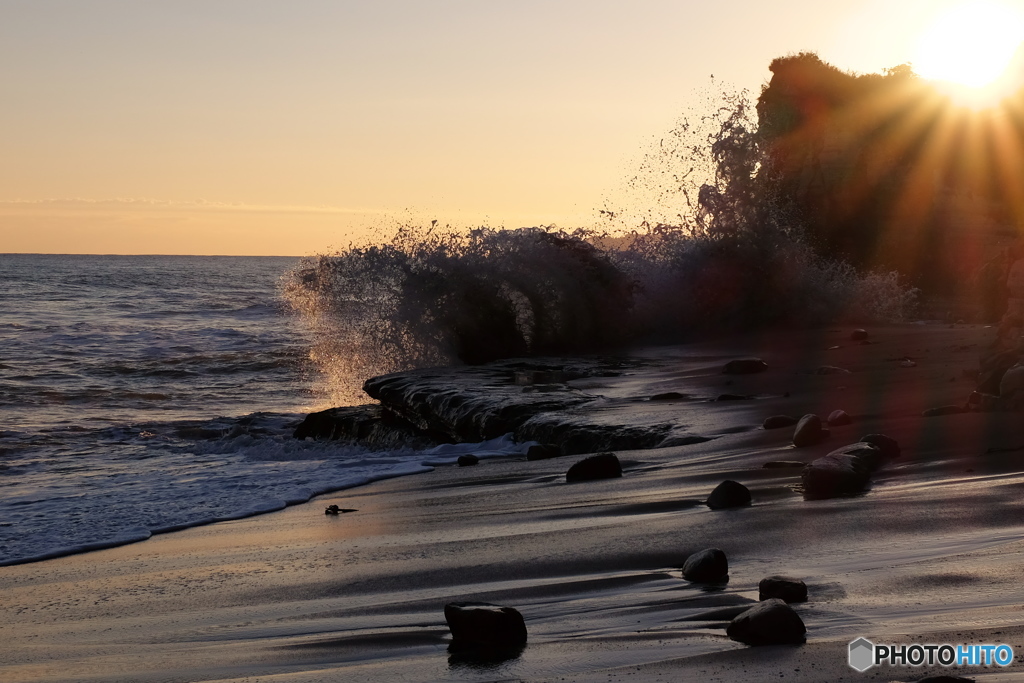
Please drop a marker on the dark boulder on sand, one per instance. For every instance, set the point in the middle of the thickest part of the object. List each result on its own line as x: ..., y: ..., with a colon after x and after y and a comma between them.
x: 483, y: 624
x: 809, y: 431
x: 844, y: 471
x: 706, y: 566
x: 859, y: 335
x: 779, y: 421
x: 889, y: 446
x: 782, y: 587
x: 729, y: 494
x: 745, y: 366
x: 771, y: 622
x: 600, y: 466
x: 839, y: 418
x: 468, y: 460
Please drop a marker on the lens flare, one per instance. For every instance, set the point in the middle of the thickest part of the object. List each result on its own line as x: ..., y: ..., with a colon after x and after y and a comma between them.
x: 974, y: 48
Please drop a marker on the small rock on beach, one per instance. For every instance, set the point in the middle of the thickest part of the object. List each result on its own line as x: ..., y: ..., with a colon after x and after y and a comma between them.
x: 729, y: 494
x: 778, y: 421
x: 838, y: 418
x: 707, y: 566
x: 784, y: 588
x: 481, y: 623
x: 808, y: 431
x: 600, y: 466
x: 771, y: 622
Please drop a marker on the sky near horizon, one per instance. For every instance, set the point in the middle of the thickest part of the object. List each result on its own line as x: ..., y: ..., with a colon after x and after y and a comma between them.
x: 254, y: 127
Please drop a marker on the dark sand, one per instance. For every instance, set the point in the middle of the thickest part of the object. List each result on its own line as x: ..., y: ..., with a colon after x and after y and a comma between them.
x: 929, y: 554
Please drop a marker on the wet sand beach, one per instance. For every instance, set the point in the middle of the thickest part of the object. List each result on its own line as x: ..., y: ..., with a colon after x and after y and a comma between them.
x: 931, y: 553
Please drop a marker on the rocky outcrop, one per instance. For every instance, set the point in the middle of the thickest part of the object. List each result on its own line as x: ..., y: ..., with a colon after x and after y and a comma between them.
x: 483, y: 624
x: 600, y: 466
x: 729, y: 494
x: 707, y: 566
x: 369, y: 425
x: 574, y: 433
x: 471, y: 404
x: 771, y: 622
x: 531, y: 400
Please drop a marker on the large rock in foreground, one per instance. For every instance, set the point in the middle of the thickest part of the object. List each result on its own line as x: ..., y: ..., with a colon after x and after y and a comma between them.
x: 707, y: 566
x: 771, y: 622
x: 483, y: 624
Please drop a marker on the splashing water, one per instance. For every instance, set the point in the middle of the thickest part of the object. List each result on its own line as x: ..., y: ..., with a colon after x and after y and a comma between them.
x: 703, y: 245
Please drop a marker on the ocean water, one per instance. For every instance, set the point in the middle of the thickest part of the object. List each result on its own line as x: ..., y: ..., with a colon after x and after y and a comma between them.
x: 145, y: 394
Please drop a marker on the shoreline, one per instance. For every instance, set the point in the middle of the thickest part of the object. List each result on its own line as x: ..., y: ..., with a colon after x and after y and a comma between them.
x: 594, y: 567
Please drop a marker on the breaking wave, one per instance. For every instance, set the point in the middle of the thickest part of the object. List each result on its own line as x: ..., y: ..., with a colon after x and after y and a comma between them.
x: 714, y: 251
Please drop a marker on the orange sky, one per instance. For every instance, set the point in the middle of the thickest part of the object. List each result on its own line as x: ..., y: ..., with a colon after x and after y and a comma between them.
x: 258, y: 127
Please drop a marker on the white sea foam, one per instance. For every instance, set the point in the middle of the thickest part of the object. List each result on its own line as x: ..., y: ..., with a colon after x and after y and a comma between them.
x: 70, y: 507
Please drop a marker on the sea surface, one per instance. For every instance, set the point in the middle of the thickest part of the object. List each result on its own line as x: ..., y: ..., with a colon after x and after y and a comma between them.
x: 145, y: 394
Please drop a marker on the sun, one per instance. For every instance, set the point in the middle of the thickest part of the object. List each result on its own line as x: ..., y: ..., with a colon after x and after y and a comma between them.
x: 971, y: 47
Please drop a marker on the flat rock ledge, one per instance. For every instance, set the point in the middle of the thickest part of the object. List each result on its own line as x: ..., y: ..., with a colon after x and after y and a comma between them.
x: 534, y: 400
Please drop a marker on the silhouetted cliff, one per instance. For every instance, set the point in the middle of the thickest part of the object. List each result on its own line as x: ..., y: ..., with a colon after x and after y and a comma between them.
x: 886, y: 171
